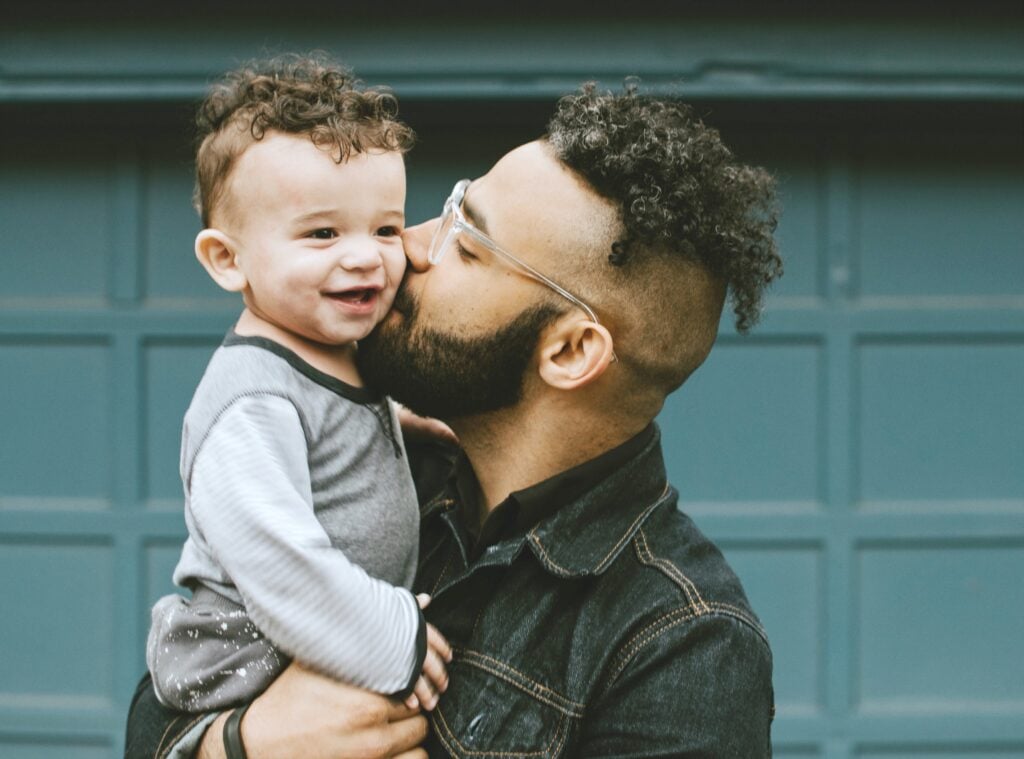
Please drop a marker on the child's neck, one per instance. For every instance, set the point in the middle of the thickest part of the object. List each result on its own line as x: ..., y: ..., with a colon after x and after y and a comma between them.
x: 338, y: 361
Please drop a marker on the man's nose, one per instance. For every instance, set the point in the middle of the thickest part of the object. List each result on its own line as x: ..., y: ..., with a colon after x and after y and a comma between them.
x: 417, y: 244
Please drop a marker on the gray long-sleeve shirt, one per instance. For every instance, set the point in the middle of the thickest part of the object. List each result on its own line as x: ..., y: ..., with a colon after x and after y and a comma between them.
x: 300, y: 508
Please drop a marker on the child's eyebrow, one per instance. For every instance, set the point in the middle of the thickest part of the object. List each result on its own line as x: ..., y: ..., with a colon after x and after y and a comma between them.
x: 332, y: 213
x: 314, y: 216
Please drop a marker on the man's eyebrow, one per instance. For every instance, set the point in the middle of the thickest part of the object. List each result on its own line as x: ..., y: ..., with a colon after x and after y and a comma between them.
x: 473, y: 214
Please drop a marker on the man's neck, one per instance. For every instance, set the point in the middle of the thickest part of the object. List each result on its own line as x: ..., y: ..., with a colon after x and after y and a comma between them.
x: 512, y: 449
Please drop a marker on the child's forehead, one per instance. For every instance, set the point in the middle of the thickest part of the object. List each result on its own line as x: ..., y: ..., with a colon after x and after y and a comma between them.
x: 291, y: 174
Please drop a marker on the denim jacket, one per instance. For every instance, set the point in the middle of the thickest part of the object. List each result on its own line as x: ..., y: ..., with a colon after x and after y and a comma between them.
x: 611, y: 628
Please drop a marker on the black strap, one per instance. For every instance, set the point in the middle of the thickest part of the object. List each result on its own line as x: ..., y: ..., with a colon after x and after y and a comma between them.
x: 233, y: 746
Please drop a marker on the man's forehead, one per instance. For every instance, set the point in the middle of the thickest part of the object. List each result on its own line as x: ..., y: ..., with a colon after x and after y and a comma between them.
x: 530, y: 180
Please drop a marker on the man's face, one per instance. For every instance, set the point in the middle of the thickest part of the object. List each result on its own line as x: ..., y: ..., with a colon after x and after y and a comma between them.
x: 445, y: 375
x: 319, y: 241
x: 463, y: 333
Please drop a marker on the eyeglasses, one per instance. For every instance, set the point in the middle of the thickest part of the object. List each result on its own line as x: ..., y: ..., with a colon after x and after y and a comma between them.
x: 453, y: 223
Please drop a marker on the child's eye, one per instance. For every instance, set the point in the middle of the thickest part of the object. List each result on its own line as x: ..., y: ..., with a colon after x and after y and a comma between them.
x: 388, y: 232
x: 323, y: 234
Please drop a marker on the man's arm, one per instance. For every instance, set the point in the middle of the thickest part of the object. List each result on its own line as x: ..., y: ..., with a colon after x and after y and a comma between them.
x: 697, y: 687
x: 302, y: 714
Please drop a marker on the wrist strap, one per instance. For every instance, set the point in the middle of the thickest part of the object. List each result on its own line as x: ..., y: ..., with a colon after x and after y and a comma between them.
x: 233, y: 746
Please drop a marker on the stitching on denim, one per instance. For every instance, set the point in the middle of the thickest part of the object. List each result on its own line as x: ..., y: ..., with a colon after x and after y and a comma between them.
x: 162, y: 751
x: 561, y: 732
x: 663, y: 624
x: 444, y: 571
x: 160, y: 743
x: 510, y: 674
x: 741, y: 616
x: 643, y: 551
x: 705, y: 607
x: 734, y: 611
x: 626, y: 535
x: 560, y: 570
x: 648, y: 634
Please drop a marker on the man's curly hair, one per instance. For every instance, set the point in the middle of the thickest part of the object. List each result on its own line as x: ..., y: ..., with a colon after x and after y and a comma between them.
x: 295, y: 94
x: 677, y: 186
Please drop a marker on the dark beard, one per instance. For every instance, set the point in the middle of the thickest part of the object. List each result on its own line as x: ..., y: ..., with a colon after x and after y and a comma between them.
x: 448, y: 377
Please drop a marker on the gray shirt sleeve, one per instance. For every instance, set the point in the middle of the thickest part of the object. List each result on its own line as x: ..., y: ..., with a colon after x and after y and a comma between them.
x: 251, y: 500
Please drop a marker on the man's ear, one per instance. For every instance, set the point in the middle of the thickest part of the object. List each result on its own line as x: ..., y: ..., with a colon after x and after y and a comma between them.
x: 218, y: 255
x: 575, y: 353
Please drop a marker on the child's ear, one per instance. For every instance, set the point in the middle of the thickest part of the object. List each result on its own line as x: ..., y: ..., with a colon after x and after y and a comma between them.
x: 216, y: 252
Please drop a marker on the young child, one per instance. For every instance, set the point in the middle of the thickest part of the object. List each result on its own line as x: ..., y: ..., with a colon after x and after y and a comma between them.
x: 301, y: 512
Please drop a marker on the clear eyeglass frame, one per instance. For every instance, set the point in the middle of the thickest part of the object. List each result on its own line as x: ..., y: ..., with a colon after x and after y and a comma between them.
x: 453, y: 223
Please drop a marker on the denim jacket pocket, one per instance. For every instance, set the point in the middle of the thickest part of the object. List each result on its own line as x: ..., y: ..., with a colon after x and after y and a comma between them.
x: 493, y: 711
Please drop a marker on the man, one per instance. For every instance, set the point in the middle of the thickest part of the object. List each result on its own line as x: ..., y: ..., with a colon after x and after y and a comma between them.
x: 546, y: 316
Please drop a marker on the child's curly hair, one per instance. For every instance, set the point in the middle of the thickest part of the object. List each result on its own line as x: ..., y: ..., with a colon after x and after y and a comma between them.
x: 296, y: 94
x: 678, y: 187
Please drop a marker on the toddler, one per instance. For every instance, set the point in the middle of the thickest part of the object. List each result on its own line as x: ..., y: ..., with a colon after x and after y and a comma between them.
x: 301, y: 513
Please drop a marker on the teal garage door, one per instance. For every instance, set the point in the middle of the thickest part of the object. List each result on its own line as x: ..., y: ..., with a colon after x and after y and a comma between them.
x: 860, y: 456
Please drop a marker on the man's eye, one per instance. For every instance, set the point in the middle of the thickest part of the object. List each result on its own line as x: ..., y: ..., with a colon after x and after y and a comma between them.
x: 323, y: 234
x: 388, y: 232
x: 463, y: 253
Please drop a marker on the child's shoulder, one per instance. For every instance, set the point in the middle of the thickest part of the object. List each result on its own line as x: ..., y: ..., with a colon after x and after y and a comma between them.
x: 236, y: 371
x: 242, y: 364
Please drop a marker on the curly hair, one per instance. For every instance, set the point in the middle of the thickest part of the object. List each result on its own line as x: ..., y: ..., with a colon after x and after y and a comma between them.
x: 677, y: 186
x: 295, y: 94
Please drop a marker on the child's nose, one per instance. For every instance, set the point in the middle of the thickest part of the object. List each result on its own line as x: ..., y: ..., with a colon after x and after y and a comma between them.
x: 359, y: 255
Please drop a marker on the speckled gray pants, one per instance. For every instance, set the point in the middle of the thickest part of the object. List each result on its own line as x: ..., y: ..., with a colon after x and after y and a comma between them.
x: 205, y: 654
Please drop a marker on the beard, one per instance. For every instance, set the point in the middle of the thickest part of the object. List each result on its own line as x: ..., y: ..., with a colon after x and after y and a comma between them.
x: 443, y: 375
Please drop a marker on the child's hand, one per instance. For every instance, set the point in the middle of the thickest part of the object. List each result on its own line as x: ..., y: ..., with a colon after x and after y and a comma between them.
x: 433, y: 681
x: 416, y: 427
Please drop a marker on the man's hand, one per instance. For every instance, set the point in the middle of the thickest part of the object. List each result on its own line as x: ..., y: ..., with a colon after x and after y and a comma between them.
x: 416, y: 427
x: 304, y: 715
x: 434, y: 679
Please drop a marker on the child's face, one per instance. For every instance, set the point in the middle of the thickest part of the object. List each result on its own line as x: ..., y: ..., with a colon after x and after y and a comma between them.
x: 319, y: 242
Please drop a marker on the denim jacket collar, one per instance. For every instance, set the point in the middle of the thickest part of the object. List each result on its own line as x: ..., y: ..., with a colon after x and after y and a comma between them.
x: 585, y: 535
x: 582, y: 537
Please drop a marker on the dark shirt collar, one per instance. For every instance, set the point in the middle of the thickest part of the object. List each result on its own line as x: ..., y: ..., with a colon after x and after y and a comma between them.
x: 525, y: 509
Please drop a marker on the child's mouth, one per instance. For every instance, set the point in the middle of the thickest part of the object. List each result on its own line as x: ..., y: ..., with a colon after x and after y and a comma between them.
x: 358, y: 300
x: 355, y: 296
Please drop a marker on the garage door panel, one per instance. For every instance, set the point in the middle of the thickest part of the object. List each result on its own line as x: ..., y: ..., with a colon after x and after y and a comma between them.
x: 939, y: 628
x: 941, y: 420
x: 56, y: 409
x: 58, y: 609
x: 945, y: 223
x: 169, y: 227
x: 801, y: 230
x: 48, y: 749
x: 58, y: 225
x: 770, y: 449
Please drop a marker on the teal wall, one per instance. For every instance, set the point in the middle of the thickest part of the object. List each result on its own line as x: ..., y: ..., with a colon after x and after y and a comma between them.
x: 860, y: 457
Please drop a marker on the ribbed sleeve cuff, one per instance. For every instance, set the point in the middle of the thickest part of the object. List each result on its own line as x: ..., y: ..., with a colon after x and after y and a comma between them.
x: 421, y: 655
